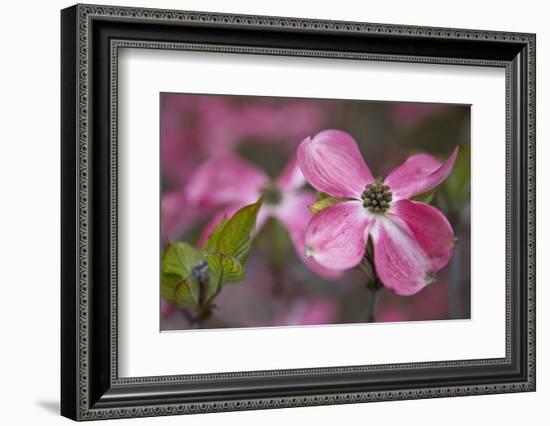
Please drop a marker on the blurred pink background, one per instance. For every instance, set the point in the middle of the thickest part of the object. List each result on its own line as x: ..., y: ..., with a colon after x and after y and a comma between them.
x: 279, y: 289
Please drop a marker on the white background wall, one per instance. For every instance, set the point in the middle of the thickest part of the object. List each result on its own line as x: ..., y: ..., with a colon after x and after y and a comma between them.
x: 29, y: 211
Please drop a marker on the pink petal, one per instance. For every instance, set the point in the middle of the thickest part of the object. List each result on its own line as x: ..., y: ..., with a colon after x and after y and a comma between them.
x: 337, y: 236
x: 418, y: 174
x: 295, y: 215
x: 401, y: 263
x: 430, y: 228
x: 224, y: 180
x: 291, y: 178
x: 332, y: 163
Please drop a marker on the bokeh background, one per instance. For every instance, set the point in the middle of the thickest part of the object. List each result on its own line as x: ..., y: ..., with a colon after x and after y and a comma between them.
x: 279, y: 289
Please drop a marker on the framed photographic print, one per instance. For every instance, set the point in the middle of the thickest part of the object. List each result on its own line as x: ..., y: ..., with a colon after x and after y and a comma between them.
x: 263, y: 212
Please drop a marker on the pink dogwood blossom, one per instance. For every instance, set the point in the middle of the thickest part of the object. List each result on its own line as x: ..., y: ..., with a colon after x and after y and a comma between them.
x: 231, y: 182
x: 411, y: 240
x: 196, y: 127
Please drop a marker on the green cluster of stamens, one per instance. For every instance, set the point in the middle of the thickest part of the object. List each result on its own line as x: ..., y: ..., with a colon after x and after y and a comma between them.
x: 271, y: 194
x: 377, y: 197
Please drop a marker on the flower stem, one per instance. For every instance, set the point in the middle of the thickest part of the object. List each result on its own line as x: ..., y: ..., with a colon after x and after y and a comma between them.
x: 373, y: 284
x: 205, y: 303
x: 373, y: 296
x: 204, y: 315
x: 197, y: 320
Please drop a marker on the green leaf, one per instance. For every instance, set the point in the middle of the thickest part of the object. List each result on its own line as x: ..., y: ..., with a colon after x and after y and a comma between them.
x: 323, y: 203
x: 168, y: 287
x: 178, y: 291
x: 235, y: 238
x: 212, y: 242
x: 179, y: 258
x: 224, y: 269
x: 178, y: 286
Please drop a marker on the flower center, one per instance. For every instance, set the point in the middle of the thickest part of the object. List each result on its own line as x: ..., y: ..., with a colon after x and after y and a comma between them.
x: 272, y: 194
x: 376, y: 197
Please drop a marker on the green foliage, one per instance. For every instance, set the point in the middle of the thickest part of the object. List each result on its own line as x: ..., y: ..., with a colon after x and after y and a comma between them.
x: 212, y: 242
x: 178, y: 285
x: 224, y: 269
x: 192, y: 278
x: 179, y: 258
x: 235, y: 238
x: 323, y: 201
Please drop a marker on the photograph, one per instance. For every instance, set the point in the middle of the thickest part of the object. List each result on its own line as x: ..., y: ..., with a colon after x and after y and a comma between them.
x: 264, y: 209
x: 300, y: 212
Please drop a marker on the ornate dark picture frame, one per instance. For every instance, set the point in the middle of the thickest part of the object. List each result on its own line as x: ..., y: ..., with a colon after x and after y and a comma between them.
x: 90, y: 386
